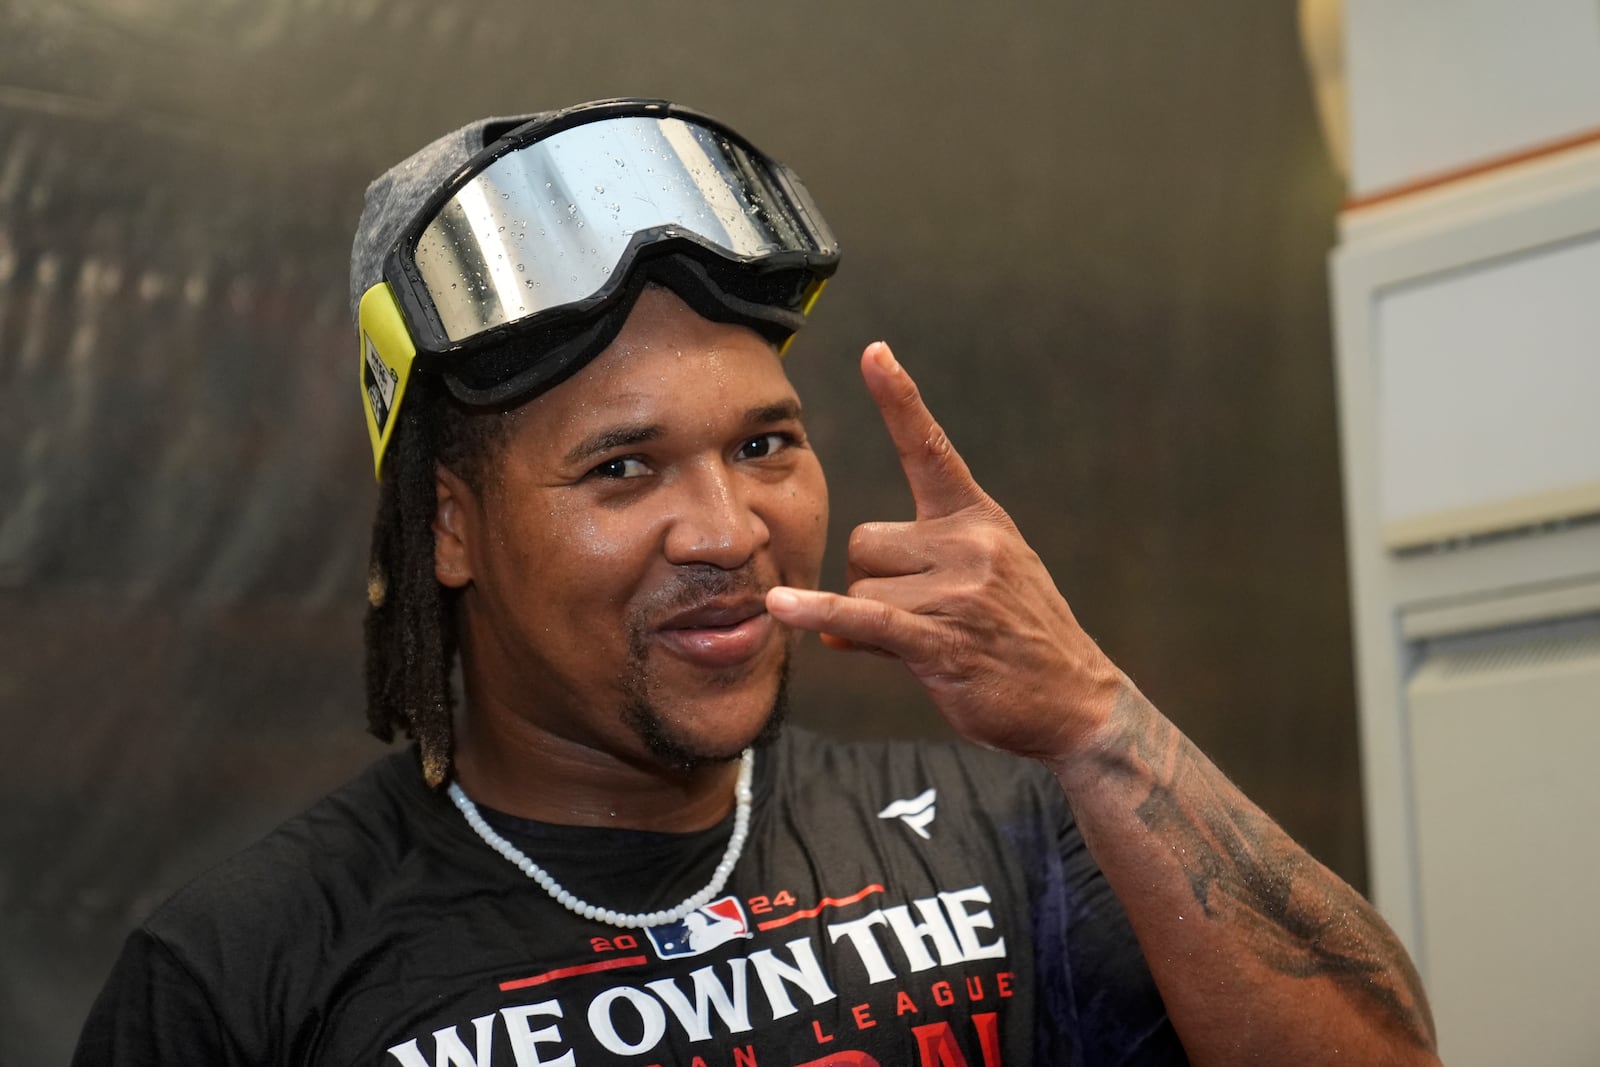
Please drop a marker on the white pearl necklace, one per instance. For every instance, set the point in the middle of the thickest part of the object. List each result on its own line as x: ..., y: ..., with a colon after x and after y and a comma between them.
x: 637, y: 921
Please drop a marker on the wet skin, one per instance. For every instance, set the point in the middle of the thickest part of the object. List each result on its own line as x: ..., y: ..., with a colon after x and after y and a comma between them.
x: 1261, y: 954
x: 616, y: 646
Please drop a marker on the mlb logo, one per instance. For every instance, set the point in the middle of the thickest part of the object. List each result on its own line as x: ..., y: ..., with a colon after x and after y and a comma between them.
x: 701, y: 930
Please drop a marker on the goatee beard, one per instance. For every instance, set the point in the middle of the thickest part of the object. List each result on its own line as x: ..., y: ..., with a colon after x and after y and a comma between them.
x: 645, y: 720
x: 691, y: 585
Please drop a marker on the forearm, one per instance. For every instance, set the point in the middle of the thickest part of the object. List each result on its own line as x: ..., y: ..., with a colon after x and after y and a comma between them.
x: 1261, y: 953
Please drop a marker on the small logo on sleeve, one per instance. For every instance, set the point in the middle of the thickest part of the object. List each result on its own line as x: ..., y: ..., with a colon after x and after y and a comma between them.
x: 917, y: 812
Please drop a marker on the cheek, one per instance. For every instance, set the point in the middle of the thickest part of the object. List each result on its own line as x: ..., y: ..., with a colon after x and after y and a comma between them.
x: 805, y: 521
x: 549, y: 548
x: 819, y: 504
x: 597, y: 552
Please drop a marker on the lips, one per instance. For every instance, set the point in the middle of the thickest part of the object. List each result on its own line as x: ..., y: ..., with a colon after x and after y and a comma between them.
x: 718, y: 633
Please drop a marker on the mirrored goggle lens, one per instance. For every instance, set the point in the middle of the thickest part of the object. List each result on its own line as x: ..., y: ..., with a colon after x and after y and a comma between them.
x: 550, y: 224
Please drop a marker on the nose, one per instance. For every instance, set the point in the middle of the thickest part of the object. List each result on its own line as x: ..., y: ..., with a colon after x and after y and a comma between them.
x: 714, y: 520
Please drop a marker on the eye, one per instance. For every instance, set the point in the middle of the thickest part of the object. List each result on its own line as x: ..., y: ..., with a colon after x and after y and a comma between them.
x: 764, y: 445
x: 621, y: 467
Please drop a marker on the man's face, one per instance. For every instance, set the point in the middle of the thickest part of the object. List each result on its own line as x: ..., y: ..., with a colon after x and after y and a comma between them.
x: 615, y: 562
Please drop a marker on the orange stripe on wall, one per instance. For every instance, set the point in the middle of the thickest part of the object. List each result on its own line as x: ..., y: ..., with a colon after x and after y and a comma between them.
x: 1472, y: 170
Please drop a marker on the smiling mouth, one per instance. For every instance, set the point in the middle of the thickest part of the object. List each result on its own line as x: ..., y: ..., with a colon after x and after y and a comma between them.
x: 720, y: 633
x: 717, y: 614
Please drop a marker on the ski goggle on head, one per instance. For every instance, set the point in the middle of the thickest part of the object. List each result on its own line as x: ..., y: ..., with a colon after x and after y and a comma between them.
x: 524, y: 264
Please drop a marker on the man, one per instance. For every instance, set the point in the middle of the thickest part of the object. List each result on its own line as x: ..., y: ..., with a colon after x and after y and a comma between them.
x: 596, y: 487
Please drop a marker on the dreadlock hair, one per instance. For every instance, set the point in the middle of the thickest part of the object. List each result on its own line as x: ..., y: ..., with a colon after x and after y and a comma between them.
x: 410, y: 628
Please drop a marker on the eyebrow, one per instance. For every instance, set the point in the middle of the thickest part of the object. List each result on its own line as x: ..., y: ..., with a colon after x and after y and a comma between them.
x: 627, y: 436
x: 782, y: 411
x: 616, y: 437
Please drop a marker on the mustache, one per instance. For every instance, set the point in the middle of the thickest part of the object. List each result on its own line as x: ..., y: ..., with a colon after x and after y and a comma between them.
x: 694, y: 584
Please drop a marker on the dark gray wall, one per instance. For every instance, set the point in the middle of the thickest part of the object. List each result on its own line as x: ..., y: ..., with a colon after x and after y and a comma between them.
x: 1094, y: 231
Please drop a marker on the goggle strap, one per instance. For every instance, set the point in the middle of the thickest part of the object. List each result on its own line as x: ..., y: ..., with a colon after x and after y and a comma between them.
x: 807, y: 302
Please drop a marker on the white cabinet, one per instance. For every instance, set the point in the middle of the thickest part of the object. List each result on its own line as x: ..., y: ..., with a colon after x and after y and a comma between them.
x: 1504, y: 731
x: 1468, y: 341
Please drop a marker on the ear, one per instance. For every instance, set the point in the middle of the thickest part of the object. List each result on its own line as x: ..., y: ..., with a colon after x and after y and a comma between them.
x: 455, y: 508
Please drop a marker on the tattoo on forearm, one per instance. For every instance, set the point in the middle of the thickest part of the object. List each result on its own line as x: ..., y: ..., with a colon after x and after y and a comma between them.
x: 1298, y: 917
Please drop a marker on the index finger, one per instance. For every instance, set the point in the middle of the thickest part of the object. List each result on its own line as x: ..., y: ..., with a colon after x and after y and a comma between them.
x: 940, y: 482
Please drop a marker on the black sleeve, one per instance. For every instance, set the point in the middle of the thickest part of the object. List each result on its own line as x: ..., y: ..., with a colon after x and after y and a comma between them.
x: 1094, y: 1000
x: 151, y: 1011
x: 1100, y: 970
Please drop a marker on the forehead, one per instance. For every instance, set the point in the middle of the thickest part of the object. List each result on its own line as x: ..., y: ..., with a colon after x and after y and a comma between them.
x: 667, y: 367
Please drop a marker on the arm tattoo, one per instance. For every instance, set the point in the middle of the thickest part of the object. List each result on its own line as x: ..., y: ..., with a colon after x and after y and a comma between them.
x: 1295, y: 915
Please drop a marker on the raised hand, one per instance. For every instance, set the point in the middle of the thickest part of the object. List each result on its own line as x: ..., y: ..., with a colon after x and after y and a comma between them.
x: 959, y: 598
x: 1261, y: 953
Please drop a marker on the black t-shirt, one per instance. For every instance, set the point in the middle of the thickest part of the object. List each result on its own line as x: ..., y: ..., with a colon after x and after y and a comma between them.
x: 895, y: 904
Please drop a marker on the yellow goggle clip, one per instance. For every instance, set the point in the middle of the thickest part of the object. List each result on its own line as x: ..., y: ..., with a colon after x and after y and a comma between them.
x: 387, y: 353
